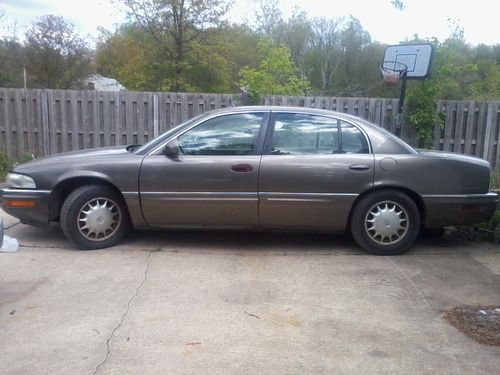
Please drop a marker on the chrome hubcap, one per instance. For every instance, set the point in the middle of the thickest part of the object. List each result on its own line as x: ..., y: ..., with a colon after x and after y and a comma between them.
x: 99, y: 219
x: 386, y: 223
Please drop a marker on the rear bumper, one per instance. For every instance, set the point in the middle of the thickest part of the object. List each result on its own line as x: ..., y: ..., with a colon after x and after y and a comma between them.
x: 29, y: 206
x: 444, y: 210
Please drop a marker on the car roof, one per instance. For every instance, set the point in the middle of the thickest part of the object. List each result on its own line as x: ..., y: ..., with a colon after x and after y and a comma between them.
x: 284, y: 109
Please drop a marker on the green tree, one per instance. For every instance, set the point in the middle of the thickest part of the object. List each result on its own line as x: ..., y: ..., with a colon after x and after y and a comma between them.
x: 487, y: 84
x: 421, y: 111
x: 269, y: 18
x: 12, y: 57
x: 56, y: 57
x: 240, y: 43
x: 324, y: 55
x: 276, y: 73
x: 127, y: 55
x: 181, y: 30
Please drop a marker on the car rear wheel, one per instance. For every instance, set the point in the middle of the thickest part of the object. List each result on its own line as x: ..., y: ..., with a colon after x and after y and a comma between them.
x: 94, y: 217
x: 385, y: 222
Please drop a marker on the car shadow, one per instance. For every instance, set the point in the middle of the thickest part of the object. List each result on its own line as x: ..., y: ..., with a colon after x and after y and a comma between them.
x: 244, y: 243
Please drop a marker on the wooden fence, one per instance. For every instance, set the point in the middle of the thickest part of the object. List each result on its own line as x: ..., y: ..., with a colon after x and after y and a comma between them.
x: 45, y: 122
x: 471, y: 127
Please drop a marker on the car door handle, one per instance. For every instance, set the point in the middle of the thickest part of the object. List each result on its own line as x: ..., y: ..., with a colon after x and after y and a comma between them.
x: 242, y: 168
x: 359, y: 167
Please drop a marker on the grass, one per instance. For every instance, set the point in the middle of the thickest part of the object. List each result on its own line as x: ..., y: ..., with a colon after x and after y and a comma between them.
x: 6, y: 164
x: 495, y: 181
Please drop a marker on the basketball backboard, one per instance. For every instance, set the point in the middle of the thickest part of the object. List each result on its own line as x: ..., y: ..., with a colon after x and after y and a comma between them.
x: 416, y: 57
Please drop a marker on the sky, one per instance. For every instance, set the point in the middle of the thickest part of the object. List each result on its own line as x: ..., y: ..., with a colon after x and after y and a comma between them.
x: 427, y: 18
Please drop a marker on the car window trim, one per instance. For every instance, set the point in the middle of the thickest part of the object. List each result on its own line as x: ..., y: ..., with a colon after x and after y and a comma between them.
x: 258, y: 141
x: 272, y: 122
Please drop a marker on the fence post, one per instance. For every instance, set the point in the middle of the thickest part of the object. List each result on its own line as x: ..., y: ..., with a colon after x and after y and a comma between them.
x: 156, y: 114
x: 44, y: 100
x: 487, y: 136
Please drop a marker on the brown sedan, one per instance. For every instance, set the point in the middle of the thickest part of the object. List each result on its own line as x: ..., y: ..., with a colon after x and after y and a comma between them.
x: 264, y: 168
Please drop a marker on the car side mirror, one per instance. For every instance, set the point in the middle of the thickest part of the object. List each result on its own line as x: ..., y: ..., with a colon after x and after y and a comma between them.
x: 172, y: 150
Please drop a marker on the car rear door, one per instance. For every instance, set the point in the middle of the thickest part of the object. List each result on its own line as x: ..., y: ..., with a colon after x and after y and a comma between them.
x: 312, y: 170
x: 213, y: 182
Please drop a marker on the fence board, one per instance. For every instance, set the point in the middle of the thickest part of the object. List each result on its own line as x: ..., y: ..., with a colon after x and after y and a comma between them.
x: 459, y: 125
x: 49, y: 121
x: 449, y: 127
x: 470, y: 140
x: 495, y: 122
x: 6, y: 122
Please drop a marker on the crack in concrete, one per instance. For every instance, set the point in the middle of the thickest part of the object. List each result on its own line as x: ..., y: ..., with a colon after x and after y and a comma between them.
x: 12, y: 225
x: 125, y: 313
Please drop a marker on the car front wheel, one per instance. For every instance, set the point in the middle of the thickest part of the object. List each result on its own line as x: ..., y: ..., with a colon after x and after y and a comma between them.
x: 94, y: 217
x: 385, y: 222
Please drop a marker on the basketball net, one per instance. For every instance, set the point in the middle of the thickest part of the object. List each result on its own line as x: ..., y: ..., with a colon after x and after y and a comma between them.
x: 391, y: 75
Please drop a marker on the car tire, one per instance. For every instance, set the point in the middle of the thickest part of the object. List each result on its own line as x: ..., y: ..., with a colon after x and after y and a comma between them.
x: 94, y: 217
x: 385, y: 222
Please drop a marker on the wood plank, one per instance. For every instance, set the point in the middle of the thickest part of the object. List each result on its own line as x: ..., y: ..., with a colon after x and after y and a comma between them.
x: 495, y: 119
x: 63, y: 103
x: 104, y: 120
x: 86, y: 126
x: 18, y: 146
x: 481, y: 129
x: 457, y: 137
x: 129, y: 98
x: 93, y: 108
x: 489, y: 134
x: 45, y: 122
x: 74, y: 97
x: 383, y: 114
x: 52, y: 121
x: 8, y: 143
x: 115, y: 132
x: 172, y: 109
x: 142, y: 117
x: 471, y: 115
x: 185, y: 107
x: 450, y: 107
x: 3, y: 144
x: 32, y: 116
x: 163, y: 117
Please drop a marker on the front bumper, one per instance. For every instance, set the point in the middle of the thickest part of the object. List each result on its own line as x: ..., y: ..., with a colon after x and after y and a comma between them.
x: 30, y: 206
x: 445, y: 210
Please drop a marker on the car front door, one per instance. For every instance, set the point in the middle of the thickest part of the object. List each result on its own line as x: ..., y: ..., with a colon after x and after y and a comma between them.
x: 213, y: 181
x: 312, y: 170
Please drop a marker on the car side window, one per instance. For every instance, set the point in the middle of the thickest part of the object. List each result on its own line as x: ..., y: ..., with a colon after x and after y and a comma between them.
x: 305, y: 134
x: 234, y: 134
x: 296, y: 134
x: 353, y: 141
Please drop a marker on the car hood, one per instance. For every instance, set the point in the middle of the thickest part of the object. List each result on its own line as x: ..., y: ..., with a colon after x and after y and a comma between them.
x: 66, y: 157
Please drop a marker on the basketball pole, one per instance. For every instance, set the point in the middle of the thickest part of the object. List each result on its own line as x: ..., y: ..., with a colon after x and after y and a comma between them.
x: 401, y: 104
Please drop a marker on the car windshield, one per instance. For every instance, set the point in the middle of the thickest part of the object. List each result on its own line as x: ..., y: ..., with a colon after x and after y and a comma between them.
x: 151, y: 145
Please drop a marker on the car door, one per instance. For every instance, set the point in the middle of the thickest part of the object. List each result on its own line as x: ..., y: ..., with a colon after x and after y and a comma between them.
x: 213, y: 181
x: 312, y: 170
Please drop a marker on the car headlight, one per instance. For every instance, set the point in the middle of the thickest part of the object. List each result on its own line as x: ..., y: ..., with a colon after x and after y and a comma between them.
x: 16, y: 180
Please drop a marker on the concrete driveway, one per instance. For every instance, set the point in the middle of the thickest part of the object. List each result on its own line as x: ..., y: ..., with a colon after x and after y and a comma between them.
x: 240, y: 303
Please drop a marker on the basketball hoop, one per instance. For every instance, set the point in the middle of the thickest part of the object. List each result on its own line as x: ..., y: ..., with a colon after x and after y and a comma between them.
x: 392, y: 71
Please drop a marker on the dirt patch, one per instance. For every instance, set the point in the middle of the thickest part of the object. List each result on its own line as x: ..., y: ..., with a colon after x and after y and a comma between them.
x: 481, y: 324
